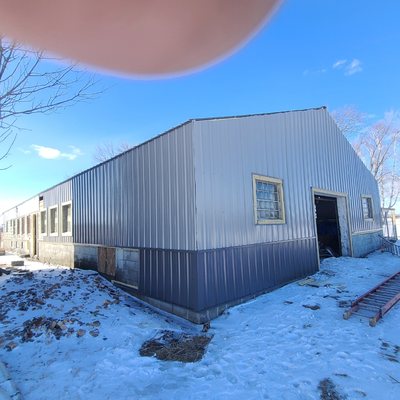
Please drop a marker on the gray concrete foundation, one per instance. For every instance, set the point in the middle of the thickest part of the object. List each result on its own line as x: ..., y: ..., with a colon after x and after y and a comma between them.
x: 57, y: 253
x: 86, y: 256
x: 365, y: 243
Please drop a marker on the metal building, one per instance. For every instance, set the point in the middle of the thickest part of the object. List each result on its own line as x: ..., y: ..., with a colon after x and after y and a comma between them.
x: 210, y: 213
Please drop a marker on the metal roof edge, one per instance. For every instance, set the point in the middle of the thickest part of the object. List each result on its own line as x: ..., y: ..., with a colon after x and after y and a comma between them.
x: 157, y: 137
x: 260, y: 114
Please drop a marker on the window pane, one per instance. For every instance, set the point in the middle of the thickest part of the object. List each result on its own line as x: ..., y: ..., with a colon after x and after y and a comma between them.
x: 367, y: 207
x: 66, y: 218
x: 53, y: 220
x: 268, y: 202
x: 43, y: 222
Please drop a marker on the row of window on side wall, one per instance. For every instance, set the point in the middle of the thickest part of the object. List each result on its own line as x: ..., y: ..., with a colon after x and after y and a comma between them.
x: 17, y: 226
x: 49, y: 220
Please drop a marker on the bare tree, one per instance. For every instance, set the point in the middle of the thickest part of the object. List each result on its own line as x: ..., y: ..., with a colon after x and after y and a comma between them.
x: 349, y: 120
x: 32, y: 83
x: 107, y: 150
x: 377, y: 146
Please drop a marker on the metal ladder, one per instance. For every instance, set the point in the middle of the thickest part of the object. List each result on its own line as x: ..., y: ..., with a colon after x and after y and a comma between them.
x: 378, y: 301
x: 390, y: 246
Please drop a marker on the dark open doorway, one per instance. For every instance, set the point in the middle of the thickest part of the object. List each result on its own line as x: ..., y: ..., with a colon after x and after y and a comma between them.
x: 34, y: 235
x: 328, y: 230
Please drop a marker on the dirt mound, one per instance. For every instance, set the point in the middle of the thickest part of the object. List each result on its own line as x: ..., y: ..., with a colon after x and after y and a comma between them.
x: 176, y: 346
x: 329, y: 391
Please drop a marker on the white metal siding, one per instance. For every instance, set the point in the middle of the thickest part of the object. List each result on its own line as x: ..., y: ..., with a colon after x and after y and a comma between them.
x: 303, y: 148
x: 143, y: 198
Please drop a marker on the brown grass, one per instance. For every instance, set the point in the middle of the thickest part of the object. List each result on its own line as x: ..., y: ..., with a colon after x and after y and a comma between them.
x: 176, y: 346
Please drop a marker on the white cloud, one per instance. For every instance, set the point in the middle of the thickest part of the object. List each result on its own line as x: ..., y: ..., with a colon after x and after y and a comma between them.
x: 339, y: 64
x: 353, y: 67
x: 347, y: 67
x: 51, y: 153
x: 46, y: 152
x: 74, y: 153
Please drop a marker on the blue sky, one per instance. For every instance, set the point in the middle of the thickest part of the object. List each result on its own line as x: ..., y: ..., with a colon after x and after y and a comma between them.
x: 311, y: 53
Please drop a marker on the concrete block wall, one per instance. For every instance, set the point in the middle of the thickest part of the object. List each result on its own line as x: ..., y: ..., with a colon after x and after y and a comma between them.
x: 365, y: 243
x: 128, y: 266
x: 86, y: 256
x: 17, y: 245
x: 57, y: 253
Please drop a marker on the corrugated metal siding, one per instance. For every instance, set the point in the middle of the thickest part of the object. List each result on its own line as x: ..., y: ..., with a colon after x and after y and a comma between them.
x: 170, y: 276
x: 143, y: 198
x: 55, y: 196
x: 206, y: 279
x: 303, y: 148
x: 225, y: 275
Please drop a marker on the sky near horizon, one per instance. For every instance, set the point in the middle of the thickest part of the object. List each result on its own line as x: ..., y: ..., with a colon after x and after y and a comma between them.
x: 311, y: 53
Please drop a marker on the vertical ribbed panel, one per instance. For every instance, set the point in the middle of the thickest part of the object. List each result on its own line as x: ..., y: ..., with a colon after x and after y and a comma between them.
x: 206, y: 279
x: 143, y: 198
x: 303, y: 148
x: 55, y: 196
x: 170, y: 276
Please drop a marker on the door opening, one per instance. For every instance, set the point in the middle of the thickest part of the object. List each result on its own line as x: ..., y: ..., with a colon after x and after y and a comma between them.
x: 328, y: 229
x: 34, y: 235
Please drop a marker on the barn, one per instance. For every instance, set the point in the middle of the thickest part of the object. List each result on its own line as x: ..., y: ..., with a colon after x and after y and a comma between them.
x: 210, y: 213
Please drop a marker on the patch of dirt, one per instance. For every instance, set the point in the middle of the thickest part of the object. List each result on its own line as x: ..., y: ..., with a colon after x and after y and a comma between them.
x: 176, y: 346
x: 41, y: 294
x: 344, y: 303
x: 312, y: 306
x: 390, y: 351
x: 36, y: 326
x: 343, y: 375
x: 360, y: 393
x: 328, y: 390
x: 331, y: 297
x: 310, y: 281
x: 327, y: 272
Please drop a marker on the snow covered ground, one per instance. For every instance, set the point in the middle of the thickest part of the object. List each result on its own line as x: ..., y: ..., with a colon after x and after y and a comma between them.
x: 269, y: 348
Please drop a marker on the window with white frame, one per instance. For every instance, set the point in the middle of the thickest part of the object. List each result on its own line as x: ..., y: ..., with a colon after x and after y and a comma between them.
x: 66, y: 224
x: 18, y: 226
x: 53, y: 216
x: 367, y: 207
x: 268, y: 200
x: 23, y: 226
x: 43, y: 222
x: 28, y: 224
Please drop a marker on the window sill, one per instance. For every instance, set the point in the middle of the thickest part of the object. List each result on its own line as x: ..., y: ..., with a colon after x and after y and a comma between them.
x: 271, y: 222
